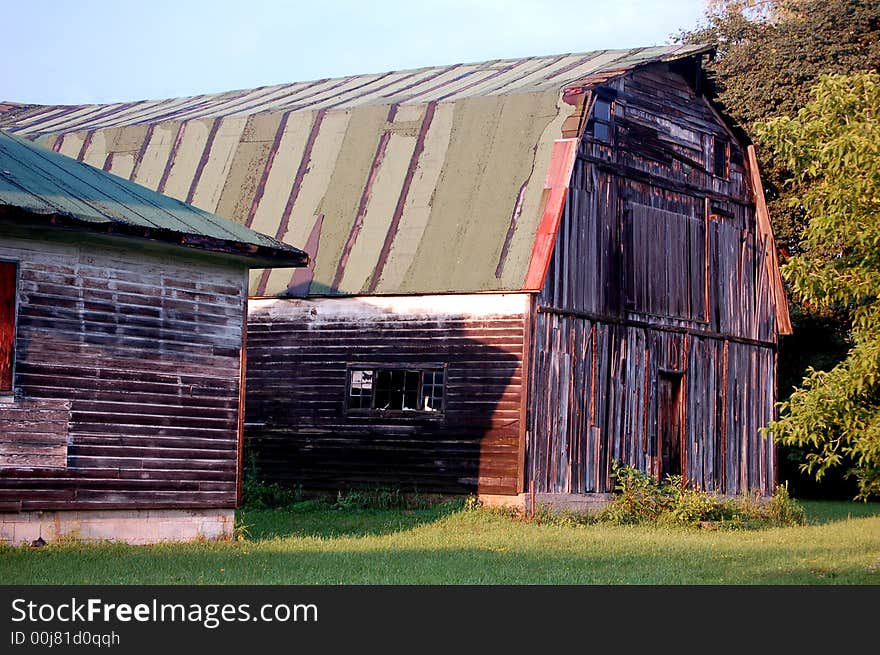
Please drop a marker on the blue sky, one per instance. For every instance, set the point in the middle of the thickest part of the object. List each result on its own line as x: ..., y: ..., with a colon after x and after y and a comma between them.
x: 107, y: 50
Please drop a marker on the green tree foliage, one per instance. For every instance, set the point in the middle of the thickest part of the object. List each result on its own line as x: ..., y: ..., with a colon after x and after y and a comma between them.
x: 769, y: 54
x: 832, y: 148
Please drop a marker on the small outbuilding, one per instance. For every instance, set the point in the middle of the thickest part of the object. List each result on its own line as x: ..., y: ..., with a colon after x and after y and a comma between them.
x: 522, y: 270
x: 122, y: 333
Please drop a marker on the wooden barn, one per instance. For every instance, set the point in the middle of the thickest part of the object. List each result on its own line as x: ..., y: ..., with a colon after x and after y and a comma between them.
x: 522, y: 270
x: 122, y: 325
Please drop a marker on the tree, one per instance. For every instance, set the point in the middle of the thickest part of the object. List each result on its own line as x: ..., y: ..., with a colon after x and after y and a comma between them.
x: 769, y: 54
x: 832, y: 148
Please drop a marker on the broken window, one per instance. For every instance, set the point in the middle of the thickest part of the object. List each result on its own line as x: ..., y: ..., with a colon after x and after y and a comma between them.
x: 601, y: 120
x: 400, y: 389
x: 720, y: 157
x: 360, y: 391
x: 8, y: 284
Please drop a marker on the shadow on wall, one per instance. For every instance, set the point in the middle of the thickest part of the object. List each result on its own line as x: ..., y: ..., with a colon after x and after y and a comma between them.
x: 416, y: 393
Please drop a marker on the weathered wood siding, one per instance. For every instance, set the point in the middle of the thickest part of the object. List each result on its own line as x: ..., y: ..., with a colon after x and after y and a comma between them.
x: 658, y: 274
x: 33, y: 433
x: 296, y: 419
x: 144, y: 351
x: 595, y: 400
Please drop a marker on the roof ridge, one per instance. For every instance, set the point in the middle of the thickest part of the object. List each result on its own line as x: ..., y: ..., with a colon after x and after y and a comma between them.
x: 379, y: 74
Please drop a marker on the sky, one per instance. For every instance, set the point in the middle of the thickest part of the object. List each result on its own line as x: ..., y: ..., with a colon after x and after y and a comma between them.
x: 91, y: 51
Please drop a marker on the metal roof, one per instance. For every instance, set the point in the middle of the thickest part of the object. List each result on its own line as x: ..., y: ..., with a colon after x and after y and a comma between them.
x: 37, y: 182
x: 422, y: 181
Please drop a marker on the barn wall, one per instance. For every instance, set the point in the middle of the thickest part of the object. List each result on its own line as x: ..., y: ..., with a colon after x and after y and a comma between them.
x: 595, y: 399
x: 126, y: 379
x: 615, y: 190
x: 658, y: 273
x: 297, y: 424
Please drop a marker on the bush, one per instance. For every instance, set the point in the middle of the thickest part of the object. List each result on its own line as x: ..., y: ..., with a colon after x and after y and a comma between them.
x: 784, y: 510
x: 640, y: 499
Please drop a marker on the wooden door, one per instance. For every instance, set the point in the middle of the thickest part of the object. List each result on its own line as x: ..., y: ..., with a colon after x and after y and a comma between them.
x: 669, y: 425
x: 7, y: 323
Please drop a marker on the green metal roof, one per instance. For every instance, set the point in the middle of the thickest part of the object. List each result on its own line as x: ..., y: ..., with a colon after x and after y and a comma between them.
x: 409, y: 182
x: 38, y: 182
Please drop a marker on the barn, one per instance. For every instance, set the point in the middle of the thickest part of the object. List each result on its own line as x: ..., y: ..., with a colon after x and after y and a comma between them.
x: 122, y: 315
x: 521, y: 270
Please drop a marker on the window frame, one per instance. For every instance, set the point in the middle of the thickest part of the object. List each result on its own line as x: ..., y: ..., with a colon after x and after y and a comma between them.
x: 712, y: 164
x: 16, y: 286
x: 376, y: 367
x: 608, y: 97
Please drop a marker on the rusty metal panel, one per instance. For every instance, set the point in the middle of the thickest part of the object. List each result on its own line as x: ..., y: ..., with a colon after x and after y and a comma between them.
x: 421, y: 181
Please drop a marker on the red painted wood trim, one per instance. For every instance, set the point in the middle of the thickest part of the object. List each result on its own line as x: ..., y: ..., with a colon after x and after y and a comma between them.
x: 242, y: 379
x: 8, y: 293
x: 525, y: 391
x: 762, y: 218
x: 553, y: 200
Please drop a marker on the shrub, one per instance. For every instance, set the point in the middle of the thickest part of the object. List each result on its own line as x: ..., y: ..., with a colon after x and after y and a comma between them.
x: 784, y: 510
x: 639, y: 498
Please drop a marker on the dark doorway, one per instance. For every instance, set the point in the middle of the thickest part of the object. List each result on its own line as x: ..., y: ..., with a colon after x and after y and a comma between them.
x: 669, y: 424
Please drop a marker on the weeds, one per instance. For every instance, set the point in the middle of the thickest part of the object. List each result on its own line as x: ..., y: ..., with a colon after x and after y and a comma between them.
x: 640, y: 499
x: 383, y: 498
x: 240, y: 531
x: 257, y: 494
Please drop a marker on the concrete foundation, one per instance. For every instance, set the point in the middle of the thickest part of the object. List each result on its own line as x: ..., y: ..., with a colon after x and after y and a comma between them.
x: 126, y: 526
x: 579, y: 503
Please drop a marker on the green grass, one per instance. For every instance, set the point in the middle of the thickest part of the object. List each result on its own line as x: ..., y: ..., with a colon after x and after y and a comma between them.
x: 313, y: 544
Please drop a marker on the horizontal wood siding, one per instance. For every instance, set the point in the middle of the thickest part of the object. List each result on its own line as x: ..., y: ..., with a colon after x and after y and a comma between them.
x: 658, y: 270
x: 298, y: 427
x: 144, y: 349
x: 33, y: 433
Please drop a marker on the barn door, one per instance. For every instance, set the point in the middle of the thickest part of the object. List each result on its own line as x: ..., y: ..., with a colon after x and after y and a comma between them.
x: 669, y: 425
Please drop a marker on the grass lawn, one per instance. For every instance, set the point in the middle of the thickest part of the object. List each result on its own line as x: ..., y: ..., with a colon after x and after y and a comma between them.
x: 449, y: 545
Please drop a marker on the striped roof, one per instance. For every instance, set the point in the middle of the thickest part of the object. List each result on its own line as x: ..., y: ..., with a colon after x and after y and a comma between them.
x: 38, y: 183
x: 421, y: 181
